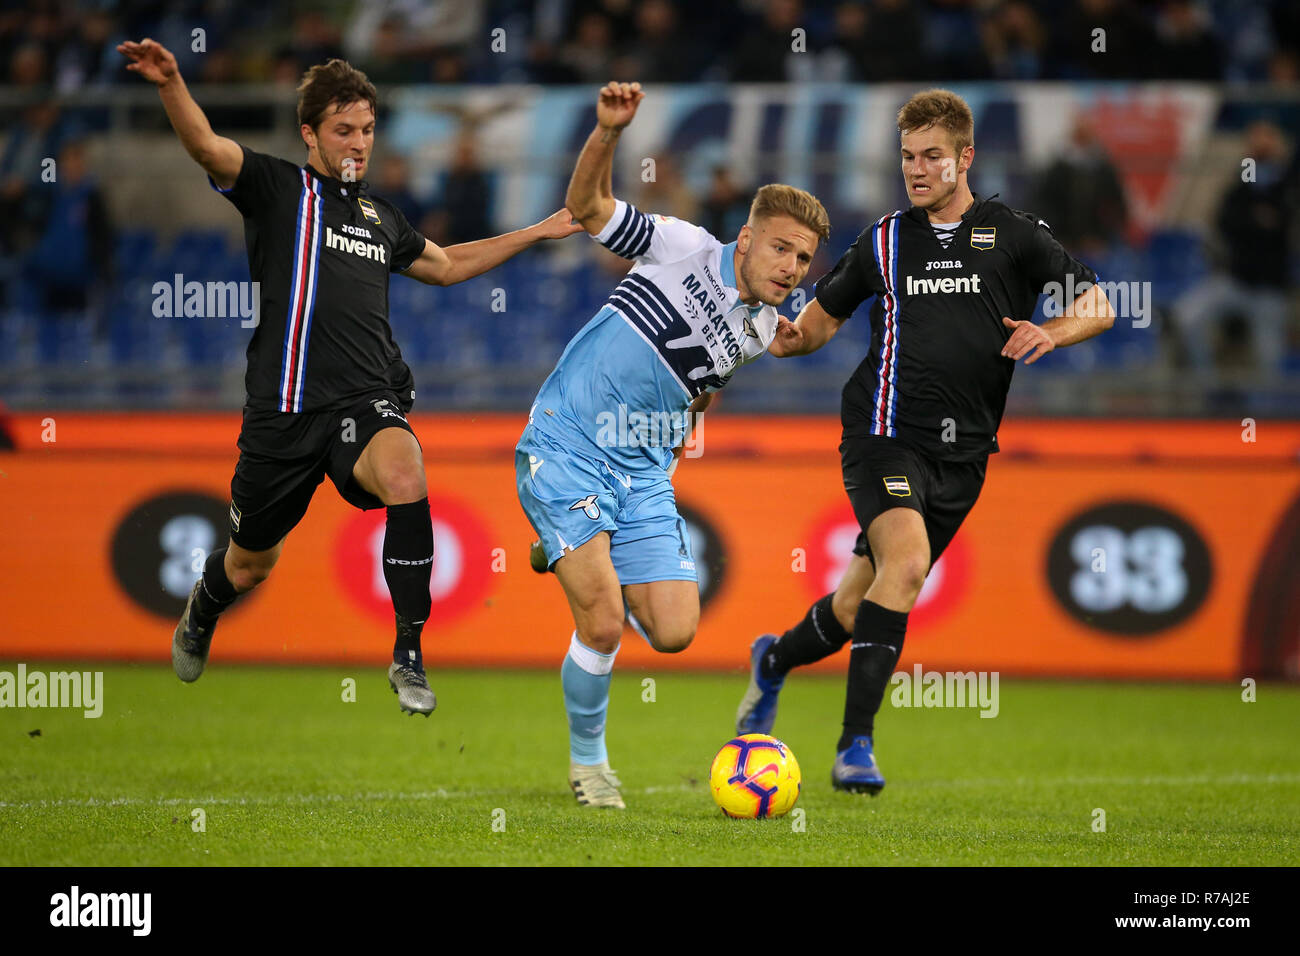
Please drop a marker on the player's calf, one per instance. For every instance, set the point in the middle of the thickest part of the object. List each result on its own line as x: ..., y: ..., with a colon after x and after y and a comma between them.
x: 408, y: 565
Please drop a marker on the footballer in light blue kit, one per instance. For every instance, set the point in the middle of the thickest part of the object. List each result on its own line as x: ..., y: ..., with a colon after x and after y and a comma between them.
x: 594, y: 464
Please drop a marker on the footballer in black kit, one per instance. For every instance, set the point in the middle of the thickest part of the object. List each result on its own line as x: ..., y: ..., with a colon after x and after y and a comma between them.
x: 956, y: 280
x: 327, y: 390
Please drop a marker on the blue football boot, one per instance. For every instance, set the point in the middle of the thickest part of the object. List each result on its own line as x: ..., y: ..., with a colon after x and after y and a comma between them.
x: 855, y: 769
x: 757, y: 711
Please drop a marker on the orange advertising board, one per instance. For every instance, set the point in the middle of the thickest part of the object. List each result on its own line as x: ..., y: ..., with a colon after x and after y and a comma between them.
x: 1134, y: 549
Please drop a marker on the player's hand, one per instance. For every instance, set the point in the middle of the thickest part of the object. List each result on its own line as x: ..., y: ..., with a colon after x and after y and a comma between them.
x: 788, y: 340
x: 617, y: 104
x: 149, y: 59
x: 1026, y: 339
x: 558, y: 225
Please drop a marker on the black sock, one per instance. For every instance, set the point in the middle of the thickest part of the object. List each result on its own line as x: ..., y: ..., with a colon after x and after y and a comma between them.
x: 877, y: 642
x: 818, y: 635
x: 216, y: 593
x: 408, y: 566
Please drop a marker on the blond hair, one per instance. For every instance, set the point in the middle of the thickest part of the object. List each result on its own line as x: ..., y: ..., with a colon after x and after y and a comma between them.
x: 778, y: 199
x: 942, y: 108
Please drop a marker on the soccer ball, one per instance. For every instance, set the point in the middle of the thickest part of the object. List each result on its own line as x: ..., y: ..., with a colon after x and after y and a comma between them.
x: 755, y: 776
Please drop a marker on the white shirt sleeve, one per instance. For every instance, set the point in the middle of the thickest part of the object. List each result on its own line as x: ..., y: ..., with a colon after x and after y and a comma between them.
x: 632, y: 234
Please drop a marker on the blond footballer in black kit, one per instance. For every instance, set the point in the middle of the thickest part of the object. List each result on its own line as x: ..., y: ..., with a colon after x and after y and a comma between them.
x: 956, y: 279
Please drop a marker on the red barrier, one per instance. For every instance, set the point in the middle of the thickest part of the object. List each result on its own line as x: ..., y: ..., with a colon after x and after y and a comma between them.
x: 1122, y: 549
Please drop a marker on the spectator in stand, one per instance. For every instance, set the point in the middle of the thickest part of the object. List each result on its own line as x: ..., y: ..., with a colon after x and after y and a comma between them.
x: 667, y: 193
x: 661, y: 52
x: 1080, y: 195
x: 466, y: 193
x: 315, y: 39
x: 415, y: 41
x: 875, y: 43
x: 587, y: 58
x: 1187, y: 48
x: 394, y: 184
x: 73, y: 257
x: 726, y: 208
x: 1121, y: 50
x: 88, y: 58
x: 24, y: 196
x: 765, y: 53
x: 1014, y: 41
x: 1253, y: 224
x: 951, y: 43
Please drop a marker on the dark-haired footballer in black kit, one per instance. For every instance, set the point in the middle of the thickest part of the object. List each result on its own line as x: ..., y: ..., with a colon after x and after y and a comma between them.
x: 955, y: 280
x: 328, y: 391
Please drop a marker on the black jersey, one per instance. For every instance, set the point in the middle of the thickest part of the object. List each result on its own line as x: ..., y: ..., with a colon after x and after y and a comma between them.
x: 322, y: 251
x: 935, y: 377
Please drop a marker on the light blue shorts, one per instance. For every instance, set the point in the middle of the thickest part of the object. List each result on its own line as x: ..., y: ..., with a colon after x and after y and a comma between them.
x: 570, y: 498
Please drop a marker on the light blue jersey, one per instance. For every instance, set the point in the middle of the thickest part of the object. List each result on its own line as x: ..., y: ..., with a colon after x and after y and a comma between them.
x: 673, y: 328
x: 600, y: 435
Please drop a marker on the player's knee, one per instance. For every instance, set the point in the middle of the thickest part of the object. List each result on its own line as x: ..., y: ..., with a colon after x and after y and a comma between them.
x: 245, y: 577
x: 401, y: 484
x: 907, y: 574
x: 671, y: 637
x: 602, y: 636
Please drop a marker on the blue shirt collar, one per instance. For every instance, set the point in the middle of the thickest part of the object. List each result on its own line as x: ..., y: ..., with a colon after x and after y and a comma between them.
x: 728, y: 269
x: 728, y: 265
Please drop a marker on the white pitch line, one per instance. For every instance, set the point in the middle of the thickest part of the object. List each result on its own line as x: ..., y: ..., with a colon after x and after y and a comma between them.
x: 1149, y: 781
x: 440, y: 794
x: 289, y: 798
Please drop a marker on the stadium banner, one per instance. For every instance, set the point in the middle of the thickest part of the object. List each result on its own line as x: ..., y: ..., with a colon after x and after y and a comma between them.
x: 840, y: 140
x: 1131, y: 549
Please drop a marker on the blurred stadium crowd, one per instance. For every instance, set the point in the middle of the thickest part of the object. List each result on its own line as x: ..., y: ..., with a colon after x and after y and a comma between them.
x: 71, y: 45
x: 78, y: 263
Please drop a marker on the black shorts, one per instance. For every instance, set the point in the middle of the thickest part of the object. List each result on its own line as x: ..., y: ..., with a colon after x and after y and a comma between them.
x: 283, y: 456
x: 882, y: 473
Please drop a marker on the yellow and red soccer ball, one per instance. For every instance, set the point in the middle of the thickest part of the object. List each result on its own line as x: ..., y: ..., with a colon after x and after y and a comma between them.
x: 755, y: 776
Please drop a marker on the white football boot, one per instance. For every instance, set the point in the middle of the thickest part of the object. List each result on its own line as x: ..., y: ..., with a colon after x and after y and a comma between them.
x: 596, y: 786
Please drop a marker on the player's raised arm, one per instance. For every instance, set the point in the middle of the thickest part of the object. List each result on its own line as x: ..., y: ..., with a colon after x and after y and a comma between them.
x: 221, y: 157
x: 591, y: 195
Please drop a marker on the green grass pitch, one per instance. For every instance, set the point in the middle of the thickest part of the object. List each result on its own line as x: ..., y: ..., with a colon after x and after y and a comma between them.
x: 286, y: 772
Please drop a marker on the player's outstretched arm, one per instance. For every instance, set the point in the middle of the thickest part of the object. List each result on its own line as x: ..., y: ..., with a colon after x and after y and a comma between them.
x: 439, y: 266
x: 1087, y: 316
x: 221, y: 157
x: 591, y: 195
x: 812, y: 329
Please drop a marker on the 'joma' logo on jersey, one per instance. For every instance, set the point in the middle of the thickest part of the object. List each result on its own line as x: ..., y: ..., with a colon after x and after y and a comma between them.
x: 943, y: 264
x: 946, y: 284
x: 366, y: 250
